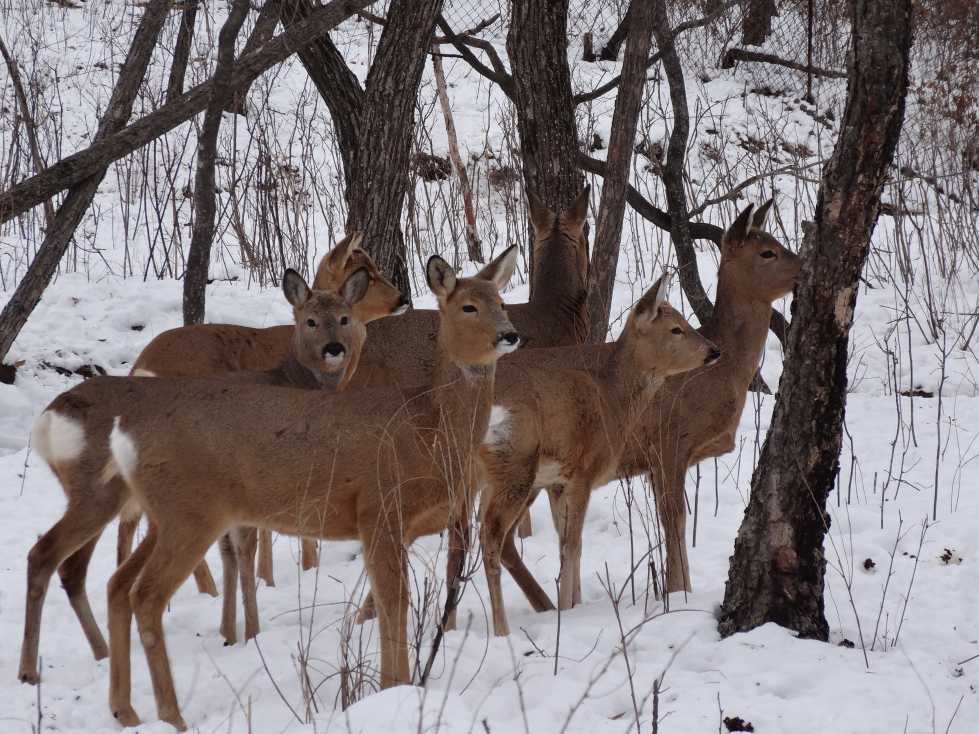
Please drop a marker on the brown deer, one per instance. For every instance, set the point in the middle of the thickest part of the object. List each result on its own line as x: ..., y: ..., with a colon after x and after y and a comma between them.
x: 78, y: 457
x: 385, y: 466
x: 695, y: 416
x: 568, y: 427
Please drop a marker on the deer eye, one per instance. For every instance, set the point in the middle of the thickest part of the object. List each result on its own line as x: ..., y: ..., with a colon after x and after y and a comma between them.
x: 768, y: 254
x: 676, y: 330
x: 310, y: 323
x: 343, y: 320
x: 468, y: 308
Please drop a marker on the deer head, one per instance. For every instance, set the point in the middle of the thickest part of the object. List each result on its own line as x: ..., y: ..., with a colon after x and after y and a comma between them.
x: 475, y: 329
x: 754, y: 261
x: 382, y: 298
x: 560, y: 237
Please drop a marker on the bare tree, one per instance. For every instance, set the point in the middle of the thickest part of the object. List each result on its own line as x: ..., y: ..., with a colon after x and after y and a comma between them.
x: 76, y: 203
x: 625, y: 117
x: 756, y: 21
x: 777, y: 570
x: 222, y: 93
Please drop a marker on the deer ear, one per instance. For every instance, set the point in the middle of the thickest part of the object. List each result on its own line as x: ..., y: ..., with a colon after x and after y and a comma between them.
x: 295, y: 289
x: 355, y: 287
x: 331, y: 266
x: 540, y: 216
x: 575, y: 216
x: 649, y: 305
x: 735, y: 235
x: 500, y: 270
x: 441, y: 277
x: 760, y: 215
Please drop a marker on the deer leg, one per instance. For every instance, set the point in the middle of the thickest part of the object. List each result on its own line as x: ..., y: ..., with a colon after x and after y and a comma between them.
x: 310, y: 553
x: 73, y: 572
x: 576, y: 498
x: 265, y: 557
x: 668, y: 484
x: 204, y: 579
x: 124, y: 537
x: 120, y: 622
x: 508, y: 500
x: 229, y: 598
x: 559, y: 510
x: 460, y: 541
x: 246, y: 543
x: 367, y: 609
x: 174, y: 556
x: 387, y: 570
x: 526, y: 527
x: 514, y: 564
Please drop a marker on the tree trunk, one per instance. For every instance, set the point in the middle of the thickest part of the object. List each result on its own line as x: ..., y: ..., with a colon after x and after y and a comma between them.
x: 778, y: 567
x: 376, y: 191
x: 537, y: 45
x: 625, y: 117
x: 268, y: 19
x: 610, y: 51
x: 77, y: 167
x: 676, y: 152
x: 181, y: 50
x: 756, y: 21
x: 76, y: 203
x: 222, y: 93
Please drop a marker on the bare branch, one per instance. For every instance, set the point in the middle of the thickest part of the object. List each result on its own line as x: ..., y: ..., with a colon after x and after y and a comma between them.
x: 751, y: 181
x: 497, y: 74
x: 740, y: 54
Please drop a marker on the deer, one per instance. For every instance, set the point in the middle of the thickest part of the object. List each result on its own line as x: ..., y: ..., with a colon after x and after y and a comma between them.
x: 201, y: 350
x: 694, y: 416
x: 385, y: 466
x: 556, y: 425
x: 77, y: 460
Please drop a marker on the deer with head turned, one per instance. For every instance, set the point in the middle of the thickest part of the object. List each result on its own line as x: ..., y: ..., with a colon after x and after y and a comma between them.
x: 384, y: 466
x: 566, y: 426
x: 77, y: 456
x: 695, y: 415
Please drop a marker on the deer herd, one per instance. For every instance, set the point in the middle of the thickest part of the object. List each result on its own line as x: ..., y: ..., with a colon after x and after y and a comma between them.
x: 350, y: 425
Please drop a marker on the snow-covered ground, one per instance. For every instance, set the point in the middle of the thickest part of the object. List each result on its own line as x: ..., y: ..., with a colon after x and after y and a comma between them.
x: 916, y: 615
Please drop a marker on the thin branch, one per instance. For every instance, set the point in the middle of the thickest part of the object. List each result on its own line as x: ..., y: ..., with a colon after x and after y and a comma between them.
x: 733, y: 193
x: 740, y: 54
x: 478, y: 28
x: 497, y: 74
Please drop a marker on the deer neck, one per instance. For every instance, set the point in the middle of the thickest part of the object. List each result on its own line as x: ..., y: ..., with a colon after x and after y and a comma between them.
x: 739, y: 327
x: 558, y: 296
x: 292, y: 373
x: 463, y: 396
x: 629, y: 389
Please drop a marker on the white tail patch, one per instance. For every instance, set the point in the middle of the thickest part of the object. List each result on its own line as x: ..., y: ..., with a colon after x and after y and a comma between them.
x: 499, y: 425
x: 140, y: 372
x: 124, y: 454
x: 57, y: 438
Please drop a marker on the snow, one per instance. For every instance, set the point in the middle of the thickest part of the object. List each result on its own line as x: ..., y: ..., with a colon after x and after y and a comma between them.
x: 901, y: 455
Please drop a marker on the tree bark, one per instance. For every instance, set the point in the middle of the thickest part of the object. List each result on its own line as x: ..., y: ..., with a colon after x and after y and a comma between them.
x: 75, y: 168
x: 625, y: 117
x: 756, y: 21
x: 778, y: 567
x: 268, y: 19
x: 610, y: 51
x: 222, y: 93
x: 537, y: 45
x: 676, y: 152
x: 181, y: 49
x: 376, y: 191
x: 59, y: 234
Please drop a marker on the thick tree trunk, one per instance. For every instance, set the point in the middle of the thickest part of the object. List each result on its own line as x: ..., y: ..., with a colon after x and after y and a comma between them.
x: 756, y: 21
x: 777, y: 570
x: 76, y: 203
x: 610, y: 51
x: 77, y: 167
x: 625, y: 117
x: 376, y: 191
x: 222, y: 93
x: 537, y: 45
x: 676, y: 152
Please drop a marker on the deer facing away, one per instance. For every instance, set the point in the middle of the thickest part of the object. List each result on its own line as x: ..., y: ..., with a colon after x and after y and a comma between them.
x: 562, y: 426
x: 78, y: 458
x: 295, y: 462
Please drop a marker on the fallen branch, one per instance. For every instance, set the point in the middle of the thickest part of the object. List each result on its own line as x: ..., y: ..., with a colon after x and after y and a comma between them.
x: 740, y: 54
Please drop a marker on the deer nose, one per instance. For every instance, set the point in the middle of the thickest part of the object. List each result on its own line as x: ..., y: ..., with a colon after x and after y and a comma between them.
x: 334, y: 350
x: 712, y: 356
x: 403, y: 305
x: 507, y: 341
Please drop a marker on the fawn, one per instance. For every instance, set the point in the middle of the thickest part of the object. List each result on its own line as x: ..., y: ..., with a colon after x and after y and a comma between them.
x: 77, y: 457
x: 568, y: 427
x: 384, y: 465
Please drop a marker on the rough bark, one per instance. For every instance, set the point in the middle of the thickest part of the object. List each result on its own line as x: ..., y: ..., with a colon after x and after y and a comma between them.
x: 778, y: 567
x: 181, y: 49
x: 676, y: 152
x: 222, y: 93
x: 376, y: 191
x: 756, y: 21
x: 610, y: 51
x: 265, y: 23
x: 69, y: 171
x: 59, y: 234
x: 337, y: 85
x: 537, y: 44
x: 625, y: 117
